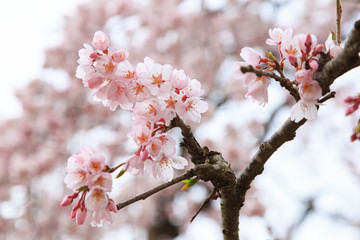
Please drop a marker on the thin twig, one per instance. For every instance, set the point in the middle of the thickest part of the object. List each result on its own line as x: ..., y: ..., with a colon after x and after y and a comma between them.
x: 206, y: 202
x: 327, y: 97
x: 147, y: 194
x: 284, y: 82
x: 110, y: 170
x: 338, y: 21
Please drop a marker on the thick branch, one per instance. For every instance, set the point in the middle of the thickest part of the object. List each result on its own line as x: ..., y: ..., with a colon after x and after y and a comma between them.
x: 147, y: 194
x: 256, y: 166
x: 189, y: 141
x: 284, y: 82
x: 345, y: 61
x: 219, y: 172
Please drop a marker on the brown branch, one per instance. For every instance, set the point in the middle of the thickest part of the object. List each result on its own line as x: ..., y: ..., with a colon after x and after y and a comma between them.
x: 113, y: 169
x: 189, y: 142
x: 206, y: 202
x: 143, y: 196
x: 344, y: 62
x: 219, y: 172
x: 284, y: 82
x: 338, y: 21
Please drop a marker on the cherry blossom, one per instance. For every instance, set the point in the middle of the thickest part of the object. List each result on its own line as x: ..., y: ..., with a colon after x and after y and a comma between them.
x: 331, y: 47
x: 87, y: 178
x: 101, y: 40
x: 276, y: 35
x: 256, y: 86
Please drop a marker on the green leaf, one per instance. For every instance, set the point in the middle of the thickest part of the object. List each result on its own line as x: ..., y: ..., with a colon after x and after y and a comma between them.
x: 189, y: 183
x: 270, y: 56
x: 120, y: 173
x: 83, y: 188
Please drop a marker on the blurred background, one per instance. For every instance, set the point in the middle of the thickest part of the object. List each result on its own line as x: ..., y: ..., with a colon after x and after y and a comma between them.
x: 310, y: 188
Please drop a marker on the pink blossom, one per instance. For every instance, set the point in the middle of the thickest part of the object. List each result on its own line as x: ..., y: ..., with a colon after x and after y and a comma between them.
x: 137, y: 92
x: 116, y: 96
x: 193, y: 89
x: 102, y: 179
x: 95, y: 163
x: 310, y: 91
x: 126, y: 72
x: 134, y: 165
x: 141, y: 134
x: 250, y: 56
x: 120, y: 55
x: 179, y: 79
x: 96, y: 199
x: 95, y: 81
x: 105, y: 65
x: 76, y: 172
x: 191, y: 109
x: 150, y: 109
x: 84, y: 55
x: 302, y: 109
x: 306, y: 42
x: 276, y: 35
x: 289, y: 46
x: 85, y: 72
x: 155, y: 76
x: 101, y: 218
x: 306, y: 75
x: 163, y: 167
x: 258, y: 90
x: 100, y: 40
x: 331, y: 47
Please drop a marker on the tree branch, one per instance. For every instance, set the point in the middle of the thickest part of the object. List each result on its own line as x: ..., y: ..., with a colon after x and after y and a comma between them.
x: 147, y: 194
x: 206, y: 202
x: 189, y: 142
x: 344, y: 62
x: 332, y: 69
x: 219, y: 172
x: 338, y: 21
x: 284, y: 82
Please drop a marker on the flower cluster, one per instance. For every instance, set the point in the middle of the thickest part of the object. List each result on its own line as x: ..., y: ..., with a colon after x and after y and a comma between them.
x: 355, y: 101
x: 87, y: 178
x: 154, y: 93
x: 299, y: 51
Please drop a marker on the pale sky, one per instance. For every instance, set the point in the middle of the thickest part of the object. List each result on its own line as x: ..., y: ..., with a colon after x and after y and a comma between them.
x: 28, y: 28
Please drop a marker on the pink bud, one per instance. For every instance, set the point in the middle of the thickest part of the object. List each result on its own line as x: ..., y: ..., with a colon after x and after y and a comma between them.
x: 349, y: 110
x: 67, y: 200
x: 112, y: 206
x: 81, y: 216
x: 293, y: 61
x: 308, y: 43
x: 74, y: 210
x: 120, y: 56
x: 144, y: 155
x: 101, y: 40
x: 313, y: 64
x: 318, y: 49
x: 349, y: 99
x: 353, y: 137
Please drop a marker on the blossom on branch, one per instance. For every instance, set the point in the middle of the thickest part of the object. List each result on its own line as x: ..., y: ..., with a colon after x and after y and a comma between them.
x: 87, y: 178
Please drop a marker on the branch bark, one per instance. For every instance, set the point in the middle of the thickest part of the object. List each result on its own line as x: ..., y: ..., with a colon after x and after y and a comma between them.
x: 147, y: 194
